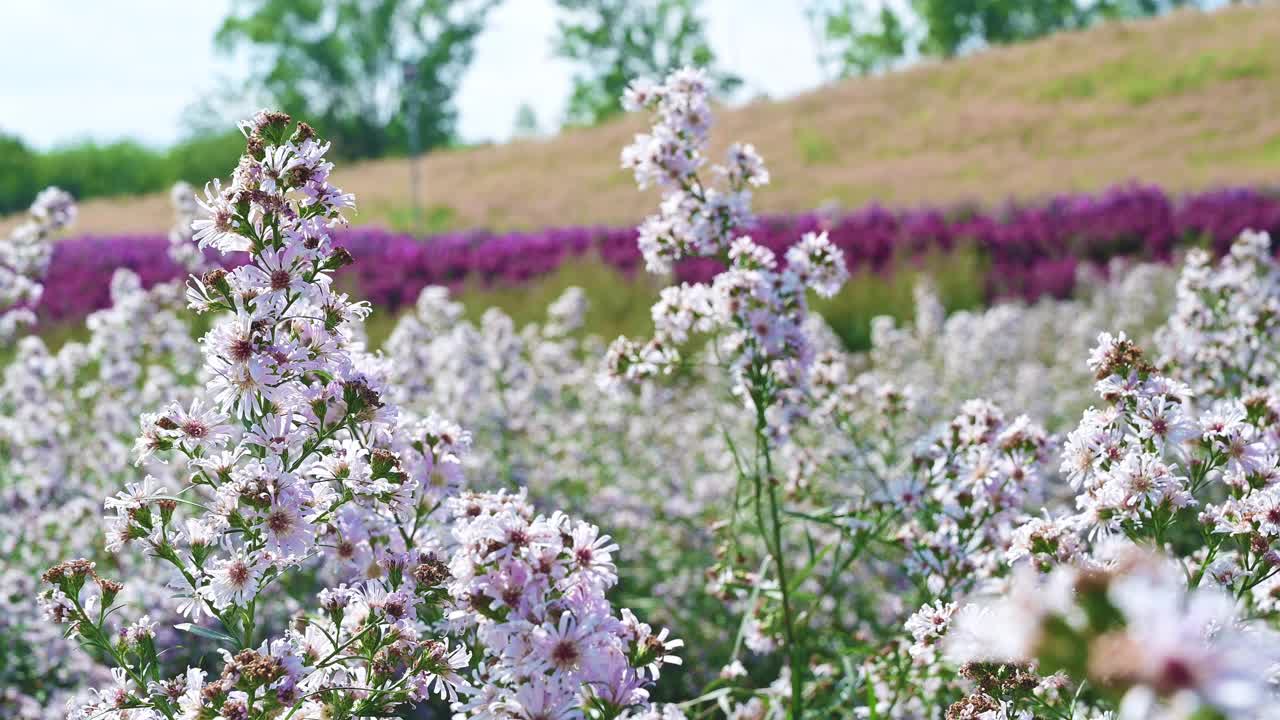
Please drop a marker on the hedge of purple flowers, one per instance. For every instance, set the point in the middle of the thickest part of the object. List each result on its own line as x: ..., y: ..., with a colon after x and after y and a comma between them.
x: 1030, y: 250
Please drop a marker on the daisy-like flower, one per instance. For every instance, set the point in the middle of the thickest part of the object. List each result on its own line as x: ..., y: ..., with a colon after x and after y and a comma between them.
x: 150, y: 440
x: 325, y: 195
x: 289, y: 535
x: 1245, y: 454
x: 273, y: 433
x: 349, y: 461
x: 441, y: 677
x: 232, y: 341
x: 592, y: 556
x: 928, y: 626
x: 200, y: 427
x: 1263, y: 509
x: 191, y: 704
x: 217, y: 228
x: 562, y: 647
x: 144, y: 628
x: 1224, y: 419
x: 1162, y: 420
x: 612, y: 680
x: 275, y: 273
x: 543, y: 698
x: 275, y: 162
x: 136, y: 495
x: 219, y: 464
x: 657, y: 650
x: 197, y: 533
x: 233, y: 580
x: 240, y: 387
x: 1144, y: 478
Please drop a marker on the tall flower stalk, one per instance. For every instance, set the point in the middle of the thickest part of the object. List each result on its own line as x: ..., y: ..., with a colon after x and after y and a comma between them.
x: 756, y: 309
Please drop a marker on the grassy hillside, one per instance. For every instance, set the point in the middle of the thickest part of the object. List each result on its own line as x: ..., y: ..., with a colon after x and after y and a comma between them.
x: 1187, y: 101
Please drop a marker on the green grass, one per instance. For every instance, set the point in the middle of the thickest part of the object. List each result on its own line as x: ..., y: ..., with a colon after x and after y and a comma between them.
x: 1139, y: 83
x: 420, y: 221
x: 619, y: 305
x: 54, y: 338
x: 1141, y: 88
x: 957, y: 276
x: 1266, y: 155
x: 814, y: 148
x: 1070, y: 87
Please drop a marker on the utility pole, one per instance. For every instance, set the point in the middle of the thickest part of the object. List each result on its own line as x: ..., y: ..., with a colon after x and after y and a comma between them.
x: 411, y: 96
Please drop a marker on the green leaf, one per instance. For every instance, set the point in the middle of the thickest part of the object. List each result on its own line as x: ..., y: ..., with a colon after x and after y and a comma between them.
x: 207, y: 633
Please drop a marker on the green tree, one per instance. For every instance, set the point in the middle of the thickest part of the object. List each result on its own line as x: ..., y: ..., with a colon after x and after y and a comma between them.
x: 204, y: 156
x: 353, y: 67
x: 615, y: 41
x: 858, y: 39
x: 18, y: 181
x: 957, y: 25
x: 89, y: 169
x: 526, y: 122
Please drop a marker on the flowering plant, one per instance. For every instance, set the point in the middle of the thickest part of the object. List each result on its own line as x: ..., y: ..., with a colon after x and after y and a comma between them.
x: 295, y: 460
x: 938, y: 527
x: 25, y: 256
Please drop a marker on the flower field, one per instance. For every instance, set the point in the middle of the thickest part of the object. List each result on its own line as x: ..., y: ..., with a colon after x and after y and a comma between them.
x: 224, y: 503
x: 1029, y: 251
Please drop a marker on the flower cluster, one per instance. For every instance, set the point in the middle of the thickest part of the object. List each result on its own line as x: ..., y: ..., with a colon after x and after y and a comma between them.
x: 756, y: 310
x: 970, y: 520
x: 532, y: 588
x: 1030, y: 251
x: 758, y: 304
x: 25, y: 256
x: 1222, y: 334
x: 620, y: 460
x: 183, y: 249
x: 1130, y: 631
x: 291, y: 468
x: 694, y: 219
x: 1151, y: 597
x: 1018, y: 356
x: 67, y: 420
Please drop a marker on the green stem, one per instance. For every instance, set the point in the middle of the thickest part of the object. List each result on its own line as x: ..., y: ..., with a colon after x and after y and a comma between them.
x: 774, y: 547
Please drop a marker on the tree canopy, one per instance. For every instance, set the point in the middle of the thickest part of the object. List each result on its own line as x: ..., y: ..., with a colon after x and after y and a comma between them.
x: 352, y: 67
x: 859, y: 37
x: 614, y: 41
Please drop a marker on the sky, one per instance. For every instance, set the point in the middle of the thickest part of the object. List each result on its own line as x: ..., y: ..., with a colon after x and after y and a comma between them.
x: 111, y: 69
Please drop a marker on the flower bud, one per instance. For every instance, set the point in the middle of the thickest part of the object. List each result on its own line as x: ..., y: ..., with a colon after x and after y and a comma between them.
x: 110, y: 589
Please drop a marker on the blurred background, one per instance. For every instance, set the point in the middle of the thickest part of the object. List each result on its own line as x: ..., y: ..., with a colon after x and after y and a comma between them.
x: 996, y: 145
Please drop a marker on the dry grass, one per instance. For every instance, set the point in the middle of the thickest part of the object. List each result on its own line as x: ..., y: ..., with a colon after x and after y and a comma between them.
x: 1186, y: 101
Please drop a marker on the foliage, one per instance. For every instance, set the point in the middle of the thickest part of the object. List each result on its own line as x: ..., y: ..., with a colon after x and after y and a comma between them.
x: 359, y: 68
x: 19, y: 177
x: 613, y: 41
x: 526, y: 122
x: 858, y: 38
x: 91, y: 169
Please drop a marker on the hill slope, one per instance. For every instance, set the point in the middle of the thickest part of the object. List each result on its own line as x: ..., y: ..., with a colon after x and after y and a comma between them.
x: 1186, y: 101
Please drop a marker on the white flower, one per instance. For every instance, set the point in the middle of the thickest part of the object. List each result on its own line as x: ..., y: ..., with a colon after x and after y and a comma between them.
x: 233, y: 580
